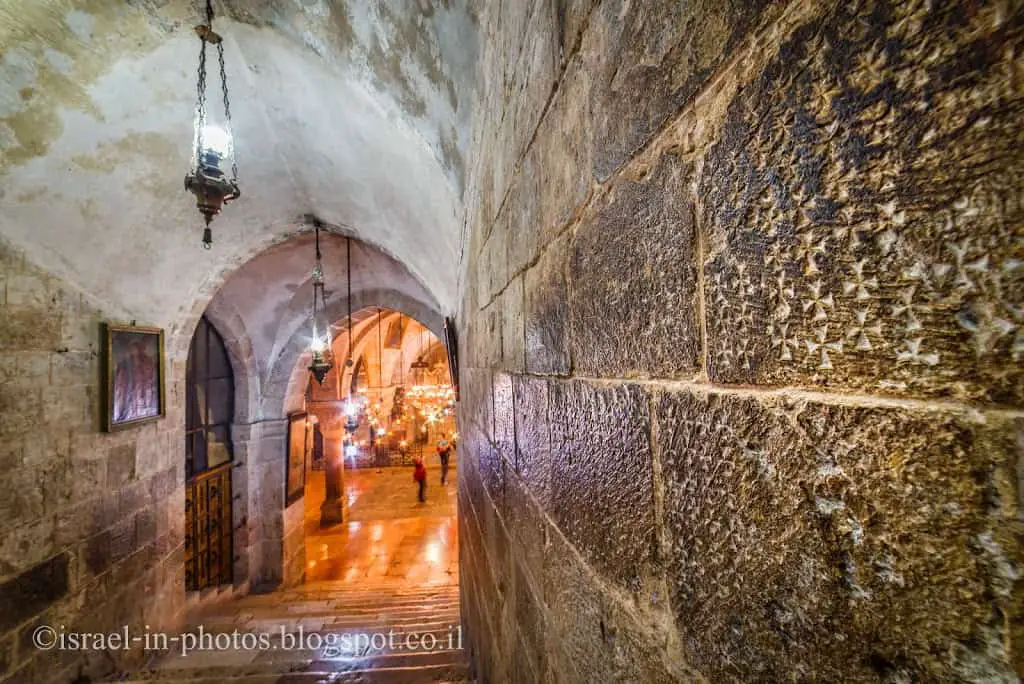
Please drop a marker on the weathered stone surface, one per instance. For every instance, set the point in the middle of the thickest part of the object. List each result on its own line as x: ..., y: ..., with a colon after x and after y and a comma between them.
x: 839, y: 542
x: 527, y: 529
x: 121, y: 466
x: 492, y: 476
x: 476, y: 403
x: 602, y: 480
x: 504, y: 418
x: 31, y: 592
x: 575, y: 615
x: 24, y: 329
x: 529, y: 624
x: 546, y: 312
x: 535, y: 71
x: 647, y: 61
x: 560, y: 158
x: 512, y: 334
x: 533, y: 437
x: 863, y: 206
x: 633, y: 280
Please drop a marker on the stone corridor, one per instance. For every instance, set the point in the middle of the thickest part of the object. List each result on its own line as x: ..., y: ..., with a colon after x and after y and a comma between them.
x: 391, y: 570
x: 721, y: 303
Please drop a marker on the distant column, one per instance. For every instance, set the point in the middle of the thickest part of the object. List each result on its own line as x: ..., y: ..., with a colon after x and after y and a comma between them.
x: 332, y: 511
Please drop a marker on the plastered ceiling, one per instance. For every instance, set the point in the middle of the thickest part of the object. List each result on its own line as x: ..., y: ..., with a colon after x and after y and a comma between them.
x: 354, y: 112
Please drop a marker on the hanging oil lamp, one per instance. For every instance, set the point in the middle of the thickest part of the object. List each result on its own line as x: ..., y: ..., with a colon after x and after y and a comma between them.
x: 214, y: 146
x: 320, y: 346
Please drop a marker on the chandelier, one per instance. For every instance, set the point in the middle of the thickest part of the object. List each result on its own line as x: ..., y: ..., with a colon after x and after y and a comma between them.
x: 207, y: 179
x: 320, y: 345
x: 430, y: 399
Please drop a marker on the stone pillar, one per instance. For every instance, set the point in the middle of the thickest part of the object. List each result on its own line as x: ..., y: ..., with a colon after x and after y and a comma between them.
x: 260, y: 453
x: 332, y: 511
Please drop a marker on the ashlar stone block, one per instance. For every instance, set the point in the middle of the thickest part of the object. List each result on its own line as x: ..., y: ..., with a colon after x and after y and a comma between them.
x: 633, y: 279
x: 840, y: 542
x: 546, y: 312
x: 648, y: 60
x: 602, y: 482
x: 863, y: 206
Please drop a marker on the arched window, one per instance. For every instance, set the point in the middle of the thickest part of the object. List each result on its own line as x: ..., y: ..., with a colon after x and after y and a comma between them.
x: 210, y: 402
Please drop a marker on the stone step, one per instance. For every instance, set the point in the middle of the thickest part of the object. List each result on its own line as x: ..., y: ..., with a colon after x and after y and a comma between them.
x: 337, y: 622
x: 342, y: 600
x: 435, y: 666
x: 338, y: 625
x: 404, y: 675
x: 301, y: 607
x: 390, y: 587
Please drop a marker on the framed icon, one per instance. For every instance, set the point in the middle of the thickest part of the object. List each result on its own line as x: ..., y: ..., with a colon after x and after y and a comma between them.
x: 134, y: 376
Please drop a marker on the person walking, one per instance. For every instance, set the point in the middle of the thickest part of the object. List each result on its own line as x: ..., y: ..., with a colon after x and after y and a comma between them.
x: 420, y: 476
x: 444, y: 452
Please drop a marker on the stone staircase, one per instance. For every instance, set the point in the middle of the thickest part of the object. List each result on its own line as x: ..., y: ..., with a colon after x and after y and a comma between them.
x: 325, y: 632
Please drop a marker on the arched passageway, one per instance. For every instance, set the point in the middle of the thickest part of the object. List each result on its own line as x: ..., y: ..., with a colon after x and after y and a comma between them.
x: 738, y: 287
x: 363, y: 552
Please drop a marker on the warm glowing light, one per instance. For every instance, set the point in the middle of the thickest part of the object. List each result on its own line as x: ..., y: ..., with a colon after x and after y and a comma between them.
x: 433, y: 552
x: 350, y: 408
x: 380, y: 432
x: 402, y: 444
x: 217, y: 140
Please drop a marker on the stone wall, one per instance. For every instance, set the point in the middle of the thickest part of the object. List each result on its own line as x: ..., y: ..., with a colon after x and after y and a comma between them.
x: 741, y: 336
x: 92, y: 524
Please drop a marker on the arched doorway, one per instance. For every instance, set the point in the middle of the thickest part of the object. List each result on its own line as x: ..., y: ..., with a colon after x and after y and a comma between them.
x: 391, y: 406
x: 209, y: 408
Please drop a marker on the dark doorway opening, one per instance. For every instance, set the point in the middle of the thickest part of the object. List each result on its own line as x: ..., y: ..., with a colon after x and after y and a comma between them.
x: 209, y: 392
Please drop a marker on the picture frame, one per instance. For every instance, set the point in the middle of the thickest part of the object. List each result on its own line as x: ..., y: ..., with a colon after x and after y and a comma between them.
x: 299, y: 437
x: 451, y: 343
x: 134, y: 376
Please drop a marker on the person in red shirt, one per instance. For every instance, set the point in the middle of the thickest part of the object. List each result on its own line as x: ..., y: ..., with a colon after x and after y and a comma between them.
x: 420, y: 476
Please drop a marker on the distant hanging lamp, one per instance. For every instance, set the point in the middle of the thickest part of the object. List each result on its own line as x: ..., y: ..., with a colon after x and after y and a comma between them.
x: 351, y: 410
x: 213, y: 145
x: 321, y: 343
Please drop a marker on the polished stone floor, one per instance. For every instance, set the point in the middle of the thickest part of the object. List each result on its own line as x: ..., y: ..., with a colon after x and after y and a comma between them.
x: 388, y: 535
x: 390, y: 568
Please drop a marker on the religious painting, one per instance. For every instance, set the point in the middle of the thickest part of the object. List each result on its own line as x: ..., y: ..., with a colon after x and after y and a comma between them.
x: 299, y: 442
x: 134, y: 364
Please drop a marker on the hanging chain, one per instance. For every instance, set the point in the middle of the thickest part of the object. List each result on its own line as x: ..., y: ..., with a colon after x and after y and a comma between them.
x: 318, y: 281
x: 200, y: 102
x: 348, y: 273
x: 227, y: 110
x: 201, y: 92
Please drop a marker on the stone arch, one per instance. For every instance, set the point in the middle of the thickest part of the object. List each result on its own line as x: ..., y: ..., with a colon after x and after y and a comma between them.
x: 287, y: 379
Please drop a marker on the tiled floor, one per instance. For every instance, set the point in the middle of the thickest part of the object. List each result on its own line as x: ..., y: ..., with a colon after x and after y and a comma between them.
x: 388, y: 535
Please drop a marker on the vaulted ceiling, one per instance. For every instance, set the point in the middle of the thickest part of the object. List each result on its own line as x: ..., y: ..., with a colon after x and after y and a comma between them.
x: 355, y: 112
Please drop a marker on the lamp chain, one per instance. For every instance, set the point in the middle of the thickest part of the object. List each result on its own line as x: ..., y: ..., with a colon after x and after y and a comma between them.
x: 227, y: 111
x: 348, y: 273
x: 200, y: 102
